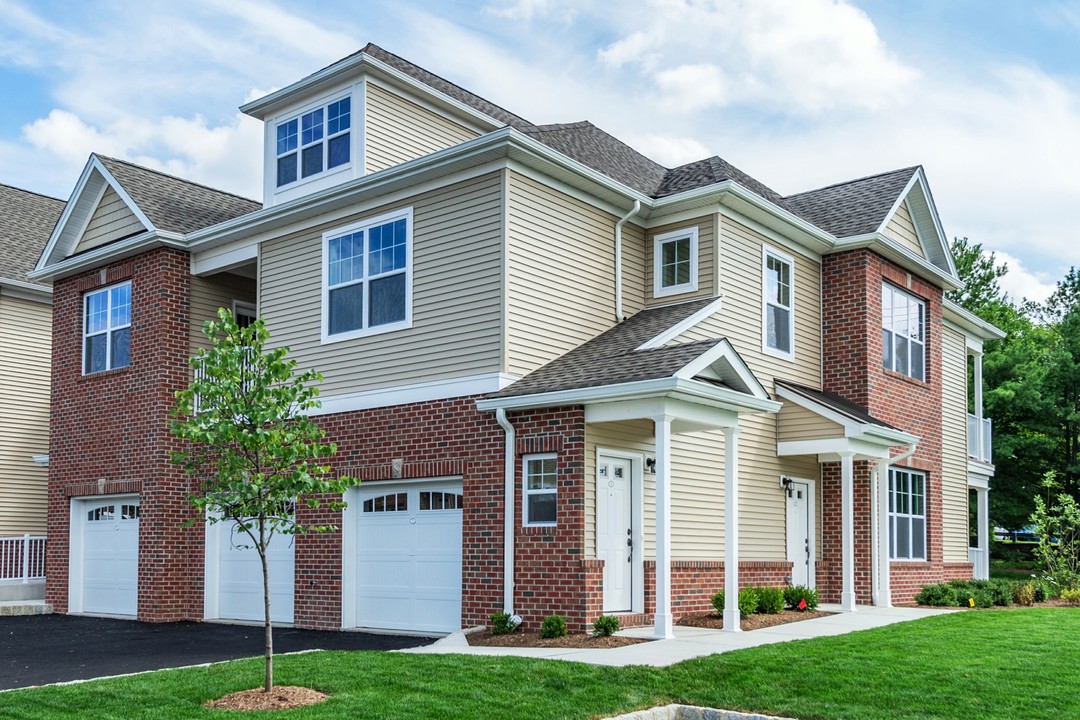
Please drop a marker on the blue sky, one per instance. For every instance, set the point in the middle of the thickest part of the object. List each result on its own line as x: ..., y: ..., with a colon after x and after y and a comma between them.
x: 798, y: 93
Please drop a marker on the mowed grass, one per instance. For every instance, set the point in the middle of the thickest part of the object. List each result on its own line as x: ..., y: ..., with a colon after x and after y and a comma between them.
x: 1004, y: 664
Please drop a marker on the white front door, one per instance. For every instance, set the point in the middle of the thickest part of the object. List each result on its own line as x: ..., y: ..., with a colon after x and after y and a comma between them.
x: 614, y: 531
x: 799, y: 524
x: 106, y: 556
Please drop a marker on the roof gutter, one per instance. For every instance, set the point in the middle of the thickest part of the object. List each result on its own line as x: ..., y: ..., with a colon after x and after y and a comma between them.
x: 971, y: 322
x: 30, y: 291
x: 619, y: 317
x: 900, y: 255
x: 107, y: 253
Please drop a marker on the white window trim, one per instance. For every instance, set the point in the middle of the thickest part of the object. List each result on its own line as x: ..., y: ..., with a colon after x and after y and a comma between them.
x: 108, y: 345
x: 913, y: 298
x: 766, y: 253
x: 893, y: 515
x: 658, y: 243
x: 367, y: 223
x: 297, y: 115
x: 248, y: 308
x: 526, y: 492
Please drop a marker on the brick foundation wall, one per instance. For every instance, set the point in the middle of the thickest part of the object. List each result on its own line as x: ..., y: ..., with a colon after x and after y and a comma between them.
x: 110, y: 432
x: 694, y: 582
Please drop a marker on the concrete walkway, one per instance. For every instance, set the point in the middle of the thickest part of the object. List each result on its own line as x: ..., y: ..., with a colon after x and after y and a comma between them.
x: 692, y: 642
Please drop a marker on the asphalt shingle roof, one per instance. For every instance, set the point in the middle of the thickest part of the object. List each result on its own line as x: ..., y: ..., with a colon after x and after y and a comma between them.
x: 612, y: 357
x: 26, y: 222
x: 837, y: 403
x: 855, y: 207
x: 173, y: 204
x: 591, y: 146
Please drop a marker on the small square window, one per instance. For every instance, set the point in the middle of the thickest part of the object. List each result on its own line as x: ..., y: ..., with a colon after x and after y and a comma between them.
x: 675, y: 258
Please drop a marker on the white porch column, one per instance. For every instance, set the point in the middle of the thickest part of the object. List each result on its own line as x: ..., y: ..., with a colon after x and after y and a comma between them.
x: 983, y: 496
x: 731, y: 530
x: 847, y: 476
x: 883, y: 596
x: 977, y: 380
x: 663, y: 623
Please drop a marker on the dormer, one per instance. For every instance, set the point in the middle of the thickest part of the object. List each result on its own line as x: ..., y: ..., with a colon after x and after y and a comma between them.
x: 361, y: 115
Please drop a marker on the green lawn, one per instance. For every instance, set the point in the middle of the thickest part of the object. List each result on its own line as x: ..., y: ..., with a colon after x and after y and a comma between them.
x: 1004, y: 664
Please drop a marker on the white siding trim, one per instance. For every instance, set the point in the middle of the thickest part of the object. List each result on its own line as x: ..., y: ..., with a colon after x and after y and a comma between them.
x: 420, y: 392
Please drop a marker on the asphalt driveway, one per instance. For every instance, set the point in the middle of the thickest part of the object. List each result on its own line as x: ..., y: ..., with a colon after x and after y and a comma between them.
x: 40, y: 649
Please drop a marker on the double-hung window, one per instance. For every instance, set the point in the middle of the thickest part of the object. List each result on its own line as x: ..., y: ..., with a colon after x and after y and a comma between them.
x: 107, y: 328
x: 540, y: 477
x: 907, y: 514
x: 368, y: 277
x: 675, y: 263
x: 314, y: 142
x: 778, y: 303
x: 903, y: 332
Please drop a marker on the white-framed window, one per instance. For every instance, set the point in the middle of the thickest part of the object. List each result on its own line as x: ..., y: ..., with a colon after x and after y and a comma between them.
x: 907, y: 514
x: 675, y: 262
x: 244, y: 313
x: 778, y: 303
x: 903, y: 332
x: 367, y: 277
x: 107, y: 328
x: 540, y: 479
x: 314, y: 141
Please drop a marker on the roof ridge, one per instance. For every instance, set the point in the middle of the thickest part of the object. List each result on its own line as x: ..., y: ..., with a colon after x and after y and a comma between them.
x: 32, y: 192
x: 177, y: 178
x: 912, y: 169
x: 552, y: 127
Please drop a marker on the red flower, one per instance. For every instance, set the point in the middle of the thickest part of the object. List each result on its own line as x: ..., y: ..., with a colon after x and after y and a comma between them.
x: 802, y: 604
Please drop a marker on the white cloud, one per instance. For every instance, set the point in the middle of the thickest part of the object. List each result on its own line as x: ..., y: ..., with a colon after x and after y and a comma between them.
x: 668, y: 150
x: 1021, y: 283
x: 526, y: 10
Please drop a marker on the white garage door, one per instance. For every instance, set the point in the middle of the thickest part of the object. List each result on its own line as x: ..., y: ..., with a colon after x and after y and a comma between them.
x: 105, y: 563
x: 408, y: 556
x: 239, y: 583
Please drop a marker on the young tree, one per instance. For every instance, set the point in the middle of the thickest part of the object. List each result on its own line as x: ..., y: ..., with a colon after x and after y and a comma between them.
x: 250, y: 444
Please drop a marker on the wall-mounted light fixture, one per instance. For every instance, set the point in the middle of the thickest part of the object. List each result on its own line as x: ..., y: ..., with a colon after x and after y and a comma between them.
x: 650, y: 465
x: 785, y: 483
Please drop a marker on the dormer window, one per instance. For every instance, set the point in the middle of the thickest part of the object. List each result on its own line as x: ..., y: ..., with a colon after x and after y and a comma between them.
x: 314, y: 142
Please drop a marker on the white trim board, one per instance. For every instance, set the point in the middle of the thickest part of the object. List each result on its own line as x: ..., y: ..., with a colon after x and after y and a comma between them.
x: 418, y: 392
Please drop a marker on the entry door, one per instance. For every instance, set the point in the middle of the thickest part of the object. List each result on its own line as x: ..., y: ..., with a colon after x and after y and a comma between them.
x: 614, y: 532
x: 798, y: 526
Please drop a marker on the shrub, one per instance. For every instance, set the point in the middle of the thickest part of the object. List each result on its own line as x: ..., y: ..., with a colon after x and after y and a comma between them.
x: 718, y: 602
x: 1001, y: 592
x: 606, y: 625
x: 770, y: 600
x: 983, y: 598
x: 554, y: 626
x: 1041, y: 594
x: 1057, y: 524
x: 502, y: 623
x: 748, y: 601
x: 1024, y: 593
x: 941, y: 595
x: 796, y: 594
x: 1070, y: 597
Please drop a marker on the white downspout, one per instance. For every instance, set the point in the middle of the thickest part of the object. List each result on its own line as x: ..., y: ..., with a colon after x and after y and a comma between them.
x: 882, y: 593
x: 508, y: 522
x: 618, y: 259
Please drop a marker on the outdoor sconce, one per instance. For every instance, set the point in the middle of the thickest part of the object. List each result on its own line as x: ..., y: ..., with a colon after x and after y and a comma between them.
x: 785, y: 483
x: 650, y: 465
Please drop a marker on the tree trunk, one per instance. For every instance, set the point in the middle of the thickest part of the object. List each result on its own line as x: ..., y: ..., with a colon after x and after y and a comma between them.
x: 268, y: 681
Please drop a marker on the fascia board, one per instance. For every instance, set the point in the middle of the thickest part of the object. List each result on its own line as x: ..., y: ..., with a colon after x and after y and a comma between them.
x: 65, y: 217
x: 888, y: 248
x: 679, y: 328
x: 26, y: 291
x: 970, y: 322
x: 900, y: 198
x: 723, y: 350
x: 929, y: 196
x: 108, y: 253
x: 893, y: 437
x: 726, y: 399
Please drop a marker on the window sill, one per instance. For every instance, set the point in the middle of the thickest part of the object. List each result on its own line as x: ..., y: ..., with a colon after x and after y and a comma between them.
x: 779, y: 354
x: 914, y: 564
x: 528, y: 530
x: 356, y: 334
x: 104, y: 373
x: 905, y: 378
x: 674, y: 290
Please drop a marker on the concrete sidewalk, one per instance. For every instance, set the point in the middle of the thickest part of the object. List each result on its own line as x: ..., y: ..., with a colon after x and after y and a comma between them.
x: 692, y: 642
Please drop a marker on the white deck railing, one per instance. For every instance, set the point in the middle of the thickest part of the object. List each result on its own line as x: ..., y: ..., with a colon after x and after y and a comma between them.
x: 22, y: 558
x: 979, y: 441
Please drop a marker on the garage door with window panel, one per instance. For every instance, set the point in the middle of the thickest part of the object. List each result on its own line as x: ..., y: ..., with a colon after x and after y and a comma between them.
x: 105, y: 556
x: 407, y: 556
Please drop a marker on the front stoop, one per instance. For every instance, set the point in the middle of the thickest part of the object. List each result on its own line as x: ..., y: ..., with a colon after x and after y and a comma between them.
x: 692, y: 712
x: 631, y: 620
x: 25, y: 607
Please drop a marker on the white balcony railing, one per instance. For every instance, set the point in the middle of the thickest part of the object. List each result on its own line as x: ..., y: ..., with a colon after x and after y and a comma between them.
x: 979, y: 447
x: 22, y: 558
x: 975, y: 557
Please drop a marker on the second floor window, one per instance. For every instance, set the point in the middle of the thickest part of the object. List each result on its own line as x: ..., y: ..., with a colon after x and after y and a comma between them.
x: 779, y: 305
x: 903, y: 332
x: 368, y: 277
x: 907, y: 514
x: 107, y: 328
x: 675, y: 262
x: 314, y: 142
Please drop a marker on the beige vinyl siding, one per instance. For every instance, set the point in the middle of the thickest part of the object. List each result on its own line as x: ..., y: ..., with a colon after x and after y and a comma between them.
x: 26, y: 339
x: 634, y: 260
x: 706, y: 226
x: 457, y: 291
x: 954, y: 487
x: 112, y: 220
x: 397, y: 130
x: 901, y: 228
x: 560, y: 277
x: 213, y: 292
x: 796, y: 423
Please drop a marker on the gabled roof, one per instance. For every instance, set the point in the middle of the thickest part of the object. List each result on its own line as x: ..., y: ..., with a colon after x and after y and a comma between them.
x: 855, y: 207
x: 27, y: 220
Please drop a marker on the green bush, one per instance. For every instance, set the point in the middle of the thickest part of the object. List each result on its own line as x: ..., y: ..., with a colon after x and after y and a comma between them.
x: 718, y: 602
x: 1041, y: 593
x: 797, y: 593
x: 1024, y: 593
x: 770, y: 600
x: 554, y: 626
x: 982, y: 597
x: 941, y: 595
x: 748, y: 601
x: 1070, y: 597
x: 1001, y: 592
x: 606, y: 625
x: 502, y: 624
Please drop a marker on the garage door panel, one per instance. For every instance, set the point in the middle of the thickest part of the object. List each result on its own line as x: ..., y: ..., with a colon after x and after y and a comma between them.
x: 385, y: 573
x: 240, y: 584
x: 107, y: 555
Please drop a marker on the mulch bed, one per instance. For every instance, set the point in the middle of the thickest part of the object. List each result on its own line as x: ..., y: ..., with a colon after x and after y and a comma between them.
x: 282, y: 697
x: 754, y: 622
x: 533, y: 639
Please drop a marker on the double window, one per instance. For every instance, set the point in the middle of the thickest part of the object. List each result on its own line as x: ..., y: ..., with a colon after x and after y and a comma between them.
x: 368, y: 277
x: 778, y: 303
x: 540, y: 477
x: 107, y: 328
x: 675, y: 262
x: 903, y: 332
x: 907, y: 514
x: 316, y: 141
